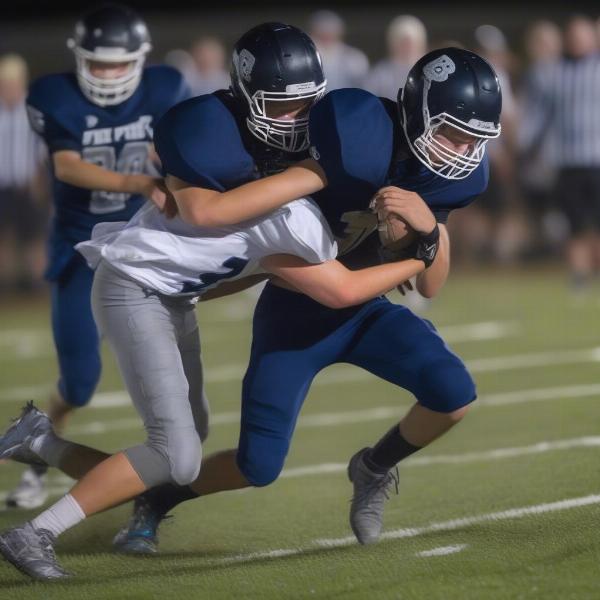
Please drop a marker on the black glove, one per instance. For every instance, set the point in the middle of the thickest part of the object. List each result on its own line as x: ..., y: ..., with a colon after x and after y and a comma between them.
x: 427, y: 246
x: 424, y: 248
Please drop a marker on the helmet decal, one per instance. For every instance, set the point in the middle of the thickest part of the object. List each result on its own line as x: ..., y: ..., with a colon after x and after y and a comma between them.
x: 245, y: 64
x: 439, y: 69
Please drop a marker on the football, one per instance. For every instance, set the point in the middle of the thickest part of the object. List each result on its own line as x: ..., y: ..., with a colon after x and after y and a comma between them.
x: 395, y: 233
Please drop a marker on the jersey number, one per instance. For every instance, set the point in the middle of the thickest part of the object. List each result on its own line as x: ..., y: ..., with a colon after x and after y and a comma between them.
x: 234, y: 264
x: 132, y: 160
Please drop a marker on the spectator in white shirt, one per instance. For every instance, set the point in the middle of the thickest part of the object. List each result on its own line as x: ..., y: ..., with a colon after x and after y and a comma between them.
x: 406, y: 42
x: 344, y: 66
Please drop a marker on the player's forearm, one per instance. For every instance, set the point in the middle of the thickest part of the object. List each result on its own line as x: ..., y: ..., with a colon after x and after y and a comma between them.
x: 430, y: 282
x: 200, y: 207
x: 75, y: 171
x: 334, y: 285
x: 365, y: 284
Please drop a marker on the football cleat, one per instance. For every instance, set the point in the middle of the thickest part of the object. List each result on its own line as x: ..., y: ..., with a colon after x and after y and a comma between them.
x: 31, y: 491
x: 16, y: 441
x: 140, y: 535
x: 371, y: 490
x: 32, y: 552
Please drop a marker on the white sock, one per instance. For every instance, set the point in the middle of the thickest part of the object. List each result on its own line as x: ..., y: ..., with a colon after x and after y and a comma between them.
x: 50, y: 448
x: 60, y: 516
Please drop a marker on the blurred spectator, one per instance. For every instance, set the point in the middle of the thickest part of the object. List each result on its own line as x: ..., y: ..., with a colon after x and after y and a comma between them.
x: 406, y: 43
x: 568, y: 109
x: 344, y: 65
x: 495, y: 227
x: 204, y: 66
x: 537, y: 146
x: 23, y: 183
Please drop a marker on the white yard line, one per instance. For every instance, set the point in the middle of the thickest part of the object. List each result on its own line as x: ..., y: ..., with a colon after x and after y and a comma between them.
x: 442, y: 551
x: 24, y: 344
x: 336, y: 374
x: 458, y: 459
x: 334, y: 419
x: 411, y: 532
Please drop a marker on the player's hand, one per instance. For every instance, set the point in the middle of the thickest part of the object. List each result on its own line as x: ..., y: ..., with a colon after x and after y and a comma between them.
x: 407, y: 205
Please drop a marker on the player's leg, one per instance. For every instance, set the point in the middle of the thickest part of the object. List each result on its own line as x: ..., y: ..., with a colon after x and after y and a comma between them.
x: 294, y: 337
x: 404, y: 349
x: 140, y: 534
x: 286, y: 354
x: 78, y: 350
x: 143, y: 332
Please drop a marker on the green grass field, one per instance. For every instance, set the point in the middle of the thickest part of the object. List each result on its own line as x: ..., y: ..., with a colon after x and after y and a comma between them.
x: 506, y: 506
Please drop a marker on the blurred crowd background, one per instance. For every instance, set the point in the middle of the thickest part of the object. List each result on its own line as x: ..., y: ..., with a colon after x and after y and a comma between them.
x: 543, y: 202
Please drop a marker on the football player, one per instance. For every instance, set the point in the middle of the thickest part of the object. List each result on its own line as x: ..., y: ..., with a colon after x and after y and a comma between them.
x: 150, y: 270
x: 429, y: 147
x: 97, y: 123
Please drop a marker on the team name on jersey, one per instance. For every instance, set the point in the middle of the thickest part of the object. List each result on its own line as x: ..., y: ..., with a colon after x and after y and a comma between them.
x: 138, y: 130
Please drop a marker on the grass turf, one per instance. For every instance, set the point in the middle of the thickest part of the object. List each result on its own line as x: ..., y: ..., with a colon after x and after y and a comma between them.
x: 215, y: 547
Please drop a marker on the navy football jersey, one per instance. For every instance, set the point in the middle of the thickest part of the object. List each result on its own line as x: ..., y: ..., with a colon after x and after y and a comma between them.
x: 356, y: 138
x: 117, y: 138
x: 206, y: 142
x: 352, y: 138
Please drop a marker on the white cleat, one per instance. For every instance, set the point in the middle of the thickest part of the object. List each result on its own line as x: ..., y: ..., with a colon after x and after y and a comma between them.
x: 31, y: 492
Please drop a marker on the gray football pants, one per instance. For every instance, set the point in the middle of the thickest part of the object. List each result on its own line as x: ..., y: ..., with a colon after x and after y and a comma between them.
x: 156, y: 342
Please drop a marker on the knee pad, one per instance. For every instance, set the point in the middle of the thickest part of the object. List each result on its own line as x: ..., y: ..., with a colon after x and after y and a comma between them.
x: 184, y: 453
x: 261, y: 459
x: 446, y: 386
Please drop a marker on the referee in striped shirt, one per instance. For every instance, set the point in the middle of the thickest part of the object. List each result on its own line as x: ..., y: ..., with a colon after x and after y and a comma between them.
x: 568, y: 109
x: 23, y: 184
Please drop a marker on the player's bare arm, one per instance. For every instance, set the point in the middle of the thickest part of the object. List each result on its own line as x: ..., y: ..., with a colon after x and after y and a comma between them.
x: 70, y: 168
x: 335, y: 286
x: 210, y: 208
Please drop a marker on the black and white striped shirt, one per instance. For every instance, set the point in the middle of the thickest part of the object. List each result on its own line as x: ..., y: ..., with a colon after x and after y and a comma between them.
x: 21, y: 150
x: 566, y: 105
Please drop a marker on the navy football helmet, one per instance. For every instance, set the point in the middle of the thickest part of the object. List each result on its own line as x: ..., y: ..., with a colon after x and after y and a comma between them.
x: 450, y: 87
x: 277, y: 69
x: 110, y: 33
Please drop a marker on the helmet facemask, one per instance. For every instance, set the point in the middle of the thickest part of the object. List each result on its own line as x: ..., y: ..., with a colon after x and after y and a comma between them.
x: 112, y: 91
x: 290, y: 134
x: 443, y: 160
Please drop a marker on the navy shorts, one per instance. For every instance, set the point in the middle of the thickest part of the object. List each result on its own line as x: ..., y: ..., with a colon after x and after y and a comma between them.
x: 295, y: 337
